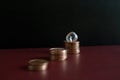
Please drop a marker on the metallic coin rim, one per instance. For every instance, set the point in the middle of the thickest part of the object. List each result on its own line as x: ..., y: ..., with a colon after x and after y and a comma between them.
x: 58, y: 51
x: 41, y: 62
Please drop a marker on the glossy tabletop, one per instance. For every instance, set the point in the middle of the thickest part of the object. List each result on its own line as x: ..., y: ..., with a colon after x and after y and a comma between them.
x: 93, y: 63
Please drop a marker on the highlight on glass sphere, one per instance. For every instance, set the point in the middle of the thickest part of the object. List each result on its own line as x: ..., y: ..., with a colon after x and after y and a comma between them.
x: 71, y: 37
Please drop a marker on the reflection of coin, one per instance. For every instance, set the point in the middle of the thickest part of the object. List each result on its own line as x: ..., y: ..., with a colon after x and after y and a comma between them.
x: 58, y: 54
x: 37, y: 64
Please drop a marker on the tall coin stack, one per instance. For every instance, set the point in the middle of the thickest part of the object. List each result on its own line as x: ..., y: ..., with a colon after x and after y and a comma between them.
x: 58, y: 54
x: 71, y: 43
x: 72, y: 47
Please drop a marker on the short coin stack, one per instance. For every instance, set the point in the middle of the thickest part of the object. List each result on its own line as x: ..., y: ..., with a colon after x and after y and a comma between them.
x: 72, y: 47
x: 58, y: 54
x: 37, y: 64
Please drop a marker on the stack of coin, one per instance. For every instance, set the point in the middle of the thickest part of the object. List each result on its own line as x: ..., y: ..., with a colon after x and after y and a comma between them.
x: 72, y: 47
x: 58, y: 54
x: 37, y: 64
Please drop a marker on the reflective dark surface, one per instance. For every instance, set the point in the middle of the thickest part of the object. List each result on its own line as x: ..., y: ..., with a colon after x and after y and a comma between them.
x: 93, y: 63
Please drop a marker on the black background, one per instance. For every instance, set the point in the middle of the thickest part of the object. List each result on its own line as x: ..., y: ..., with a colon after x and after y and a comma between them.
x: 45, y: 23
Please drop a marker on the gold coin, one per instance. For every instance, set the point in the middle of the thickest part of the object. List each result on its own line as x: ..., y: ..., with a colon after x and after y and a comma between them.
x: 37, y: 64
x: 72, y: 47
x: 58, y: 54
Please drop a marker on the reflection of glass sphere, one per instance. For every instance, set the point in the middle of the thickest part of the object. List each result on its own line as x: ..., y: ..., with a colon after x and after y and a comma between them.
x: 71, y: 37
